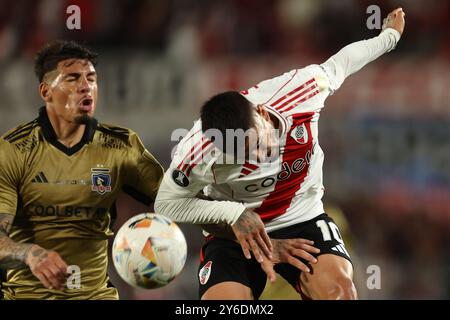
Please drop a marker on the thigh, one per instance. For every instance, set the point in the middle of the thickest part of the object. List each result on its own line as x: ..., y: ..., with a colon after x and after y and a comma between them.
x: 331, y: 274
x: 228, y: 290
x: 326, y: 236
x: 225, y: 273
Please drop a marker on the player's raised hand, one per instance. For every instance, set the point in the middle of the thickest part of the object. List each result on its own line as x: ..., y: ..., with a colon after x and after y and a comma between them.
x: 48, y: 267
x: 249, y: 231
x: 395, y: 20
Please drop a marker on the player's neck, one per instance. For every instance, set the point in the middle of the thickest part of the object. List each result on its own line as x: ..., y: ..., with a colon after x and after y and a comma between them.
x: 71, y: 135
x: 68, y: 134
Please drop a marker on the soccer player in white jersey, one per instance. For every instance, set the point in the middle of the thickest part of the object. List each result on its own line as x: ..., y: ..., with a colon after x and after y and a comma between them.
x: 280, y: 198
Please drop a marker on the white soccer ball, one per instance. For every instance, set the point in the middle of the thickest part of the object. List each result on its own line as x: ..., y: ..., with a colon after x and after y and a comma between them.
x: 149, y: 251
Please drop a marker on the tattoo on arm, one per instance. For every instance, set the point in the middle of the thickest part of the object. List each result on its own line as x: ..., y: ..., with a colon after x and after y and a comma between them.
x: 247, y: 222
x: 12, y: 254
x: 39, y: 254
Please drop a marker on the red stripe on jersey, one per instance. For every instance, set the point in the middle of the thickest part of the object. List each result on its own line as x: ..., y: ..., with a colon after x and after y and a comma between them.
x: 197, y: 157
x: 193, y: 155
x: 309, y: 96
x: 245, y: 172
x: 289, y: 182
x: 247, y: 168
x: 292, y: 92
x: 284, y: 85
x: 189, y: 154
x: 250, y: 166
x: 301, y: 94
x: 200, y: 156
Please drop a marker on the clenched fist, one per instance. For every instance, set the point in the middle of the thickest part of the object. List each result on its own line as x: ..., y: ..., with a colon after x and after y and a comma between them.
x: 395, y: 20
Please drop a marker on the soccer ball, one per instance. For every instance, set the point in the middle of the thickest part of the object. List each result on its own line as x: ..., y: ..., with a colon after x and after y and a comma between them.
x: 149, y: 251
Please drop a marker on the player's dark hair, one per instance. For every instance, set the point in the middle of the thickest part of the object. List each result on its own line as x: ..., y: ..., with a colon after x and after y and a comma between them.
x: 227, y: 110
x: 51, y: 54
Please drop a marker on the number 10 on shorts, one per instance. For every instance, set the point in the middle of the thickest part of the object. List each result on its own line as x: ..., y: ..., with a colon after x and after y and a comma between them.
x: 330, y: 231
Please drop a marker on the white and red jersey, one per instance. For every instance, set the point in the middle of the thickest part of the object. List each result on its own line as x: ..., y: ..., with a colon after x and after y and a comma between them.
x: 283, y: 192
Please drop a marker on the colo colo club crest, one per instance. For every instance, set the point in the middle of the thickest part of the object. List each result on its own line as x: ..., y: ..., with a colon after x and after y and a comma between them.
x: 101, y: 180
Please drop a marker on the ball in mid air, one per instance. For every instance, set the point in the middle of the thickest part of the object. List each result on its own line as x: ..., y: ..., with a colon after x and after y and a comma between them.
x: 149, y: 251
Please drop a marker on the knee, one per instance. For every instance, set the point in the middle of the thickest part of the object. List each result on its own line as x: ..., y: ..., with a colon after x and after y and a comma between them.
x: 339, y: 287
x: 342, y: 288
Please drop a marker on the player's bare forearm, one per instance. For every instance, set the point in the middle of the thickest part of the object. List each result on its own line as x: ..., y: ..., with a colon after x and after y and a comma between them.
x: 251, y: 234
x: 46, y: 265
x: 12, y: 254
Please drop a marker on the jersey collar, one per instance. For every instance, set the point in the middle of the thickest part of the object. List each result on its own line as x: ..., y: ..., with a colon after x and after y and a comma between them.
x: 281, y: 119
x: 50, y: 135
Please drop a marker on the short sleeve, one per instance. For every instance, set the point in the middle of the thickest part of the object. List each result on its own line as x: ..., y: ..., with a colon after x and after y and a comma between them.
x: 10, y: 177
x: 142, y: 174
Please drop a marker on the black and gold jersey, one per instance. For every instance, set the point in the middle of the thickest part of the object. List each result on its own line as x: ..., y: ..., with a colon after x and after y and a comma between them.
x: 61, y: 198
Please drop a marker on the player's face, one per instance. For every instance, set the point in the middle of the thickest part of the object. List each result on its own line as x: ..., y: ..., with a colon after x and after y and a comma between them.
x: 266, y: 137
x: 72, y: 90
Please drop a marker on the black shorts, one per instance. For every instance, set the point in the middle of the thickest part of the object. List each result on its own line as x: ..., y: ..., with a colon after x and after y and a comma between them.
x: 222, y: 260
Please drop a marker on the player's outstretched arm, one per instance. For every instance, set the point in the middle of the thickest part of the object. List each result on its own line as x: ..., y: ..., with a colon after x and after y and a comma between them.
x: 47, y: 266
x: 355, y: 56
x: 395, y: 20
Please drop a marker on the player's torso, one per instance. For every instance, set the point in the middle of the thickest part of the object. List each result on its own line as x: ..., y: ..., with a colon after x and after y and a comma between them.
x: 289, y: 189
x: 274, y: 188
x: 284, y: 191
x: 64, y: 205
x: 58, y: 188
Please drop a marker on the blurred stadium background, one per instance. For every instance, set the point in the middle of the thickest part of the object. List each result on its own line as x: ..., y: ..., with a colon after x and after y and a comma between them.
x: 386, y: 133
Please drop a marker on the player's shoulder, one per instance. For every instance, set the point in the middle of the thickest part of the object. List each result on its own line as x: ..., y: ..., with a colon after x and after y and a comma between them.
x: 194, y: 144
x: 114, y: 130
x: 191, y: 140
x: 118, y: 137
x: 23, y: 137
x: 114, y: 134
x: 319, y: 74
x: 195, y: 150
x: 313, y: 75
x: 288, y: 84
x: 20, y: 132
